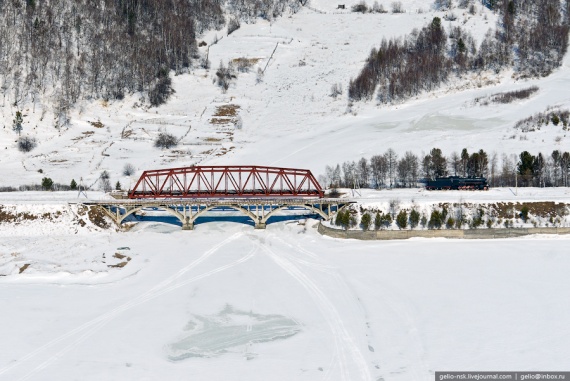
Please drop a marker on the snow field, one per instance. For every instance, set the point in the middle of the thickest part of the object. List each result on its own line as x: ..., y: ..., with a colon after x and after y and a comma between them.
x: 288, y: 302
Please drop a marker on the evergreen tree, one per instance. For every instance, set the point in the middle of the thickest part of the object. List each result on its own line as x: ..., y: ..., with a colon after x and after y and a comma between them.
x: 47, y: 183
x: 461, y: 48
x: 524, y: 213
x: 345, y: 219
x: 73, y: 185
x: 435, y: 220
x: 365, y: 221
x: 402, y: 219
x: 17, y: 123
x: 414, y: 218
x: 464, y: 162
x: 525, y: 167
x: 118, y: 186
x: 511, y: 7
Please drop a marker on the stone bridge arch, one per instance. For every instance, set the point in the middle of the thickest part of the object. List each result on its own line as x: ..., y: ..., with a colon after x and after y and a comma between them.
x: 282, y: 207
x: 189, y: 223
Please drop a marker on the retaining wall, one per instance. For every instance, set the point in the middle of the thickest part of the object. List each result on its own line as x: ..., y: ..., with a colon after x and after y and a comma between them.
x: 443, y: 233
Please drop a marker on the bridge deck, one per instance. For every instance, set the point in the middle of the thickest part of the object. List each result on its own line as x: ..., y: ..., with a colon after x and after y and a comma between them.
x: 220, y: 201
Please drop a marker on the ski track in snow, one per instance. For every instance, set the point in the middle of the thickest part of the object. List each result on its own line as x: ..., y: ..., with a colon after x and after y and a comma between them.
x: 404, y: 310
x: 347, y: 353
x: 89, y: 328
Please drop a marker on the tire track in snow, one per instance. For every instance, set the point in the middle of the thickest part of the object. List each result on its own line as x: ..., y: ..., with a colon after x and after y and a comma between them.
x: 397, y: 303
x: 148, y: 295
x: 420, y: 365
x: 349, y: 296
x: 345, y: 347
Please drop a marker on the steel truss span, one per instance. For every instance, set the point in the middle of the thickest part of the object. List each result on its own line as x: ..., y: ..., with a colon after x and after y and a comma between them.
x: 226, y: 181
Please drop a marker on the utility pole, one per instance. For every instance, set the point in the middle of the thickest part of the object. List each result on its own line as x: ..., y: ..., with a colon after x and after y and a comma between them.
x: 81, y: 188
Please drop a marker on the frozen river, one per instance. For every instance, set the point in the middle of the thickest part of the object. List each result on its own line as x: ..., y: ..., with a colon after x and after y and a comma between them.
x: 227, y: 302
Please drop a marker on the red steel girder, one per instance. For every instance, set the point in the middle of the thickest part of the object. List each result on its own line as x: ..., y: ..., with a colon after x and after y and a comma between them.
x: 226, y: 181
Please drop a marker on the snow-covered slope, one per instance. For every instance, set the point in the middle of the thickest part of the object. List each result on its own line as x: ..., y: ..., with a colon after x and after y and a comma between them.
x: 288, y: 118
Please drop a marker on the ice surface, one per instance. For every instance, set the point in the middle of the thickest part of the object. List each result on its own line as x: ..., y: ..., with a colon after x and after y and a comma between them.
x: 297, y: 305
x: 214, y: 335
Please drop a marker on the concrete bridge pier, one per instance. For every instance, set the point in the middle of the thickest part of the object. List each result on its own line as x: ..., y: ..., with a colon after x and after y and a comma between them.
x: 188, y: 224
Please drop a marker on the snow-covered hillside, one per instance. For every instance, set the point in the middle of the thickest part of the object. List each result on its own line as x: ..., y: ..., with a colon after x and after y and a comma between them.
x: 288, y: 118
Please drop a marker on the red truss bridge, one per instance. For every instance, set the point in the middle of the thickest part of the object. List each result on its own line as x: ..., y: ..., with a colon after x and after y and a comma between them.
x: 226, y: 182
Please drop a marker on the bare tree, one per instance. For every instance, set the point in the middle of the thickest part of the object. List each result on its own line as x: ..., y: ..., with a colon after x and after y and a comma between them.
x: 391, y: 164
x: 363, y: 171
x: 455, y: 163
x: 379, y: 169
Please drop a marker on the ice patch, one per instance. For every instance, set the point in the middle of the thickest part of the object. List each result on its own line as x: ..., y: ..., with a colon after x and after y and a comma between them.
x: 214, y: 335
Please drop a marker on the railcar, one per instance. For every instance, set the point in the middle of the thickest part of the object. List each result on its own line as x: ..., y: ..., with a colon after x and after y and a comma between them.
x: 457, y: 183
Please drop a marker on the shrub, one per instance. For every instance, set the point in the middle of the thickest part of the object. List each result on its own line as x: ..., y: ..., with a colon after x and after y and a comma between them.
x: 336, y: 90
x: 477, y: 221
x: 459, y: 221
x: 334, y: 193
x: 233, y: 25
x: 402, y: 219
x: 128, y: 169
x: 386, y: 220
x: 47, y: 183
x: 360, y: 7
x: 414, y: 218
x: 26, y: 144
x: 378, y: 8
x: 524, y: 213
x: 345, y: 219
x: 365, y: 221
x: 555, y: 119
x: 450, y: 223
x: 225, y: 76
x: 165, y: 140
x: 105, y: 175
x: 423, y: 221
x: 397, y: 7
